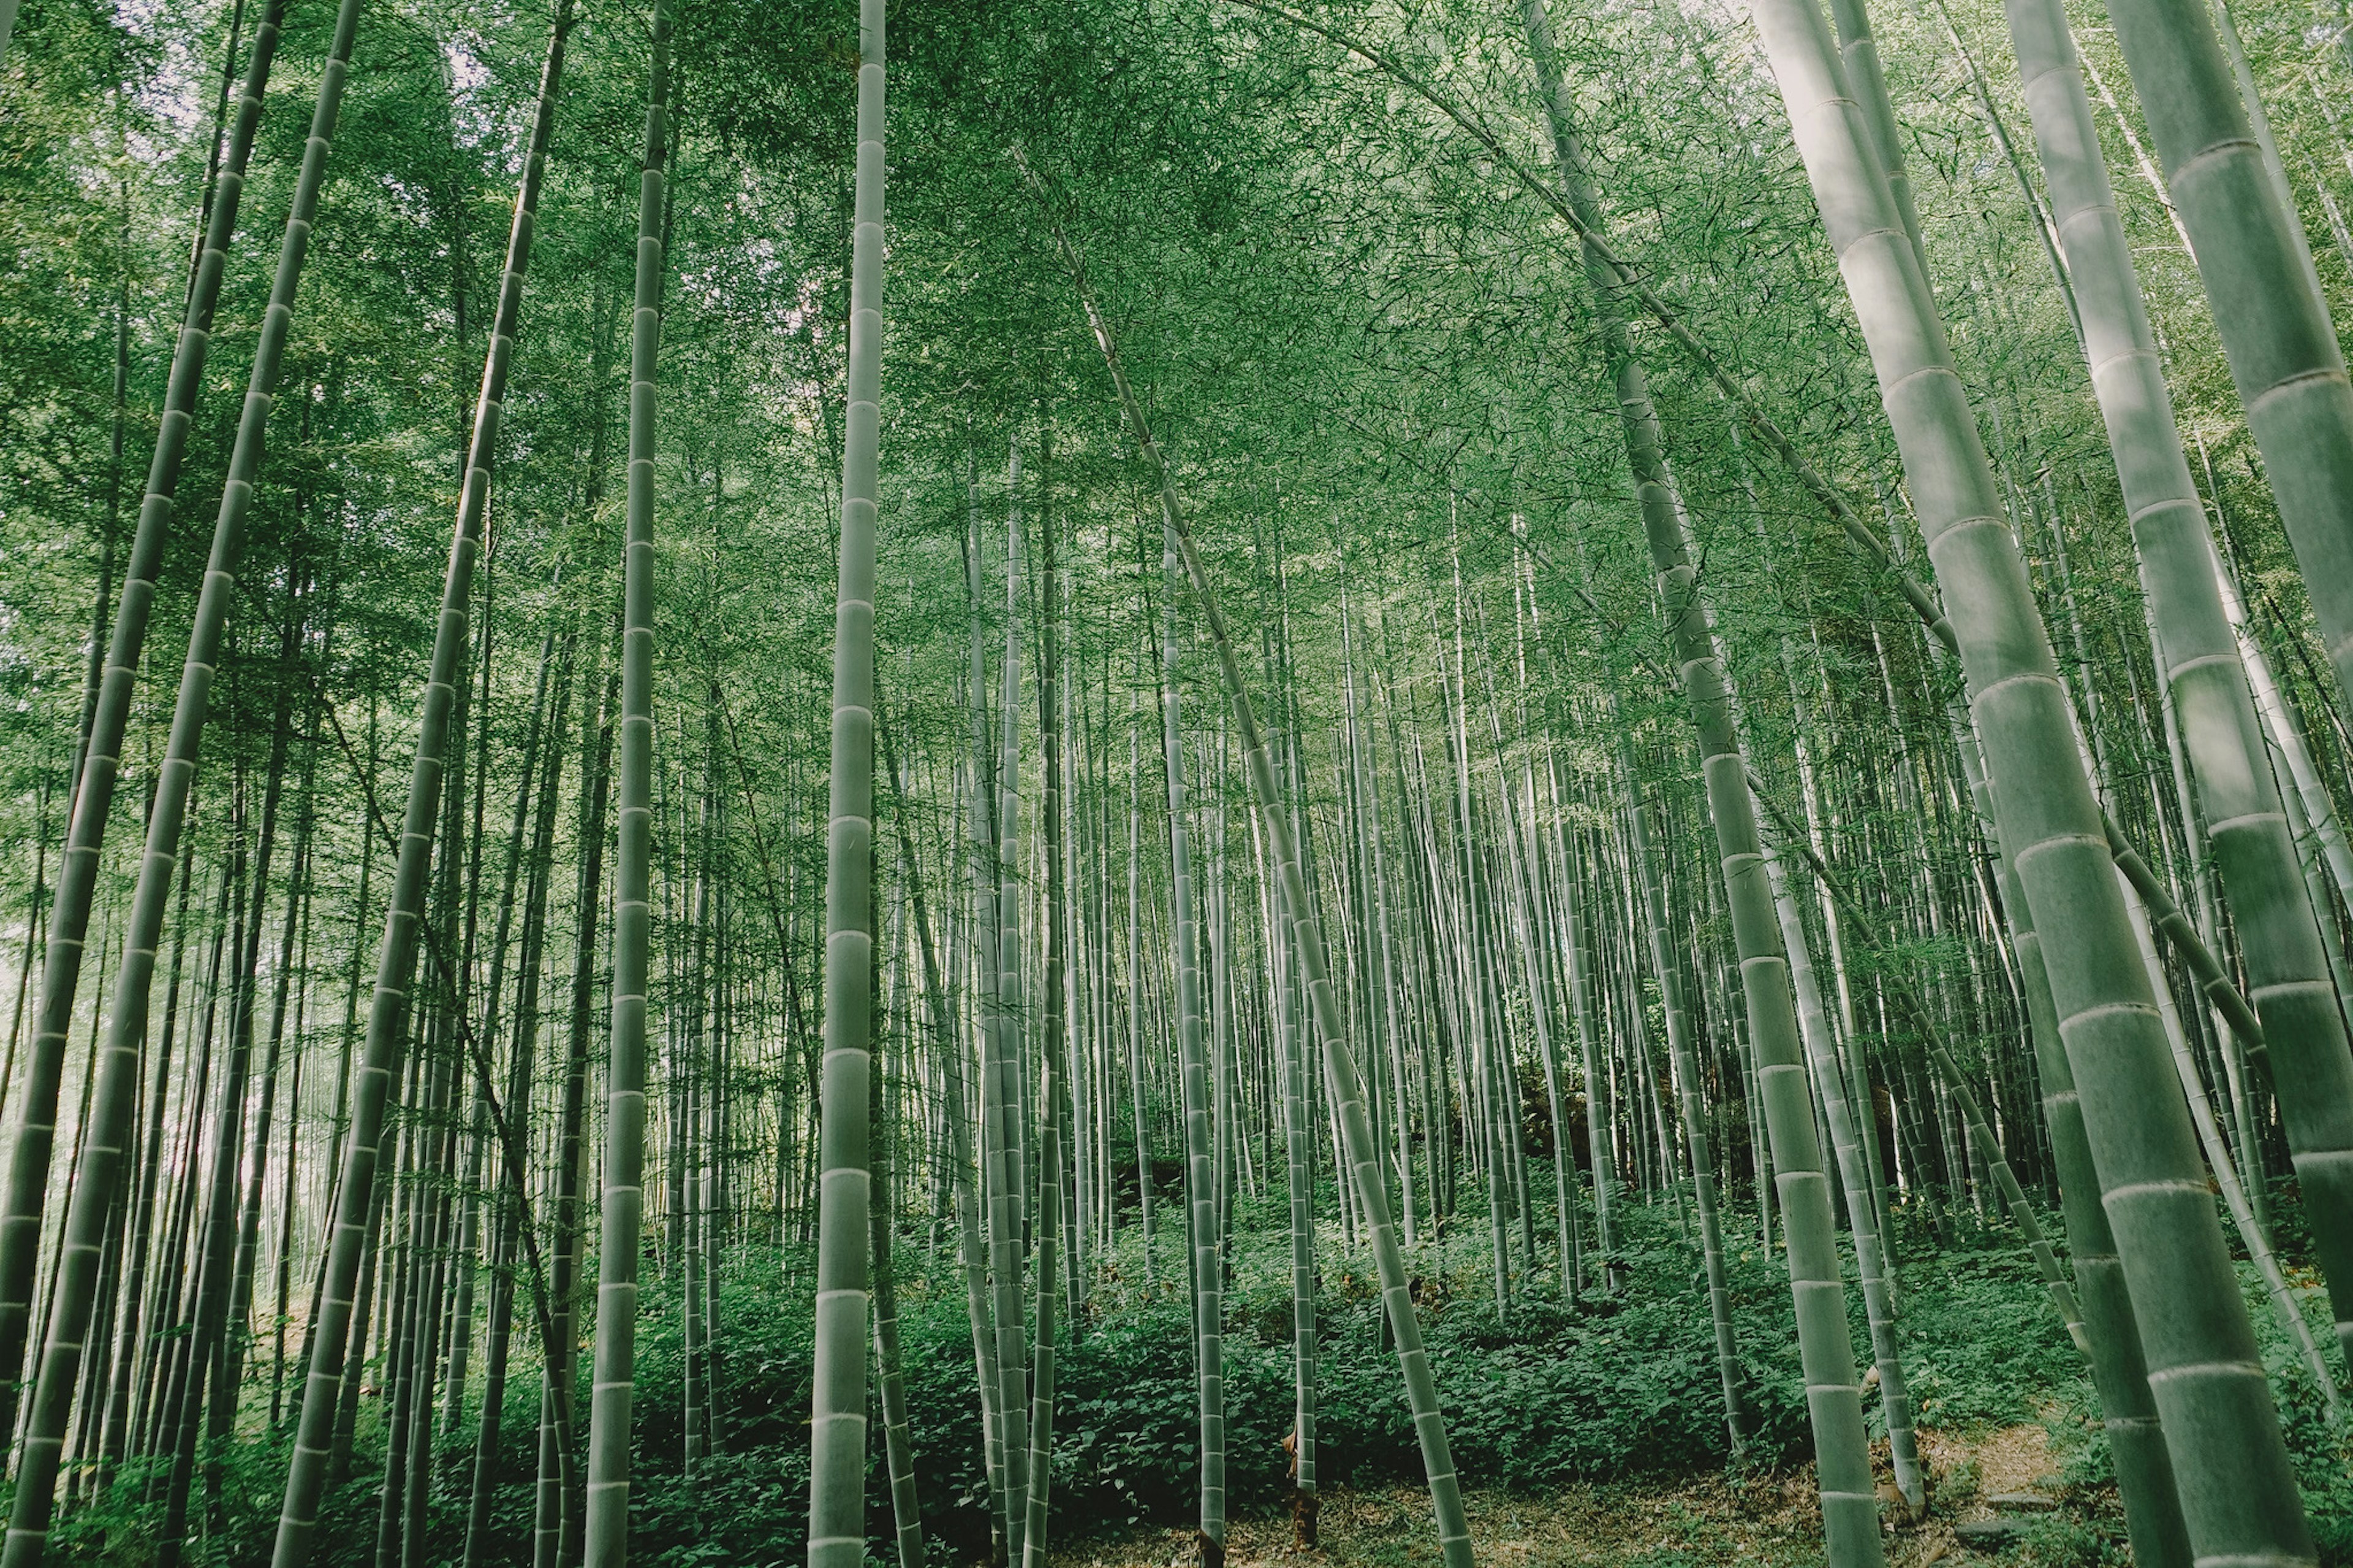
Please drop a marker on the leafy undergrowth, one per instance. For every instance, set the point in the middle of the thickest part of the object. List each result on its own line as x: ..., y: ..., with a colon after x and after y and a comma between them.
x: 1598, y: 1422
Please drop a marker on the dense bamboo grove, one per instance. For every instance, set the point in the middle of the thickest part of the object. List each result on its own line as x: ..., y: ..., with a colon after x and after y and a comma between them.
x: 1487, y: 746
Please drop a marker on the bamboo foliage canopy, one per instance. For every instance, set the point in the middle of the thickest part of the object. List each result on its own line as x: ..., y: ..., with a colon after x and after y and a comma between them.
x: 1455, y: 747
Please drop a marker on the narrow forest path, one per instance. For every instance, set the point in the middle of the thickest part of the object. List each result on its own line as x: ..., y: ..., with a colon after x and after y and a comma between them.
x: 1773, y: 1520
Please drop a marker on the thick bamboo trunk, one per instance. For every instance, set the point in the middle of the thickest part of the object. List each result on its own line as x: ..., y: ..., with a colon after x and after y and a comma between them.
x: 605, y: 1526
x: 2204, y: 1372
x: 837, y: 1410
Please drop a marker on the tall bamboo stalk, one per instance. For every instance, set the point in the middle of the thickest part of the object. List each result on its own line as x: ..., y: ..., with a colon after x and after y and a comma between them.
x: 2203, y: 1370
x: 2249, y: 243
x: 838, y: 1407
x: 1364, y: 1155
x: 2280, y: 941
x: 1850, y: 1508
x: 606, y: 1527
x: 26, y: 1185
x: 1207, y: 1266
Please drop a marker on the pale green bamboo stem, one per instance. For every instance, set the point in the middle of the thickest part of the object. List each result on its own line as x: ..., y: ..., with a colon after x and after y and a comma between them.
x: 2191, y: 607
x: 2274, y: 325
x: 837, y: 1536
x: 1005, y: 1358
x: 1298, y: 1160
x: 2239, y: 1493
x: 1862, y: 1204
x: 613, y: 1374
x: 1194, y: 1089
x: 1693, y: 1103
x: 26, y: 1187
x: 1364, y: 1155
x: 1850, y: 1507
x: 1055, y: 1072
x: 1008, y: 1211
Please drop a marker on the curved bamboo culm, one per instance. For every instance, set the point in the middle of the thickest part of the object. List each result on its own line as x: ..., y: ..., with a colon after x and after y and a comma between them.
x: 2280, y: 941
x: 605, y: 1535
x: 2275, y: 327
x: 2238, y: 1493
x: 1833, y: 1395
x: 93, y: 797
x: 1360, y: 1148
x: 837, y: 1396
x: 1207, y: 1266
x: 113, y: 1098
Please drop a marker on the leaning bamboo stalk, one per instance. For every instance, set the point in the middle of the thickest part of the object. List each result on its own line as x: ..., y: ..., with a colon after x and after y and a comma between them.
x: 1630, y: 279
x: 2190, y: 601
x: 1834, y: 1404
x: 1364, y: 1156
x: 1822, y: 1056
x: 117, y: 1089
x: 2203, y: 1369
x: 1957, y: 1084
x: 2249, y: 243
x: 25, y: 1189
x: 387, y: 1020
x: 1669, y: 973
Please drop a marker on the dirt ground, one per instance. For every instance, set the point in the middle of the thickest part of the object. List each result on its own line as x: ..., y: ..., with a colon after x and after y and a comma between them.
x: 1772, y: 1521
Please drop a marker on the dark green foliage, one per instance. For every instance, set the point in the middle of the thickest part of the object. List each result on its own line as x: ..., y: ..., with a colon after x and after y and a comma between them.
x: 1600, y: 1394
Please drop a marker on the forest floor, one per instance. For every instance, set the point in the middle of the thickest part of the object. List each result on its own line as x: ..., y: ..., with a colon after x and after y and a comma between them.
x: 1770, y: 1519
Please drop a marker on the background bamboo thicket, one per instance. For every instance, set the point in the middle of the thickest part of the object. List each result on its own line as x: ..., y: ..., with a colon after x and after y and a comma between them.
x: 1449, y: 746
